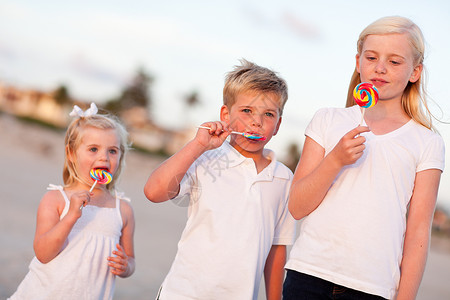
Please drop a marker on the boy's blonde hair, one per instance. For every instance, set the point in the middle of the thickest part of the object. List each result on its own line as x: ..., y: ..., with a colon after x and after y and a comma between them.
x: 73, y: 139
x: 249, y: 77
x: 414, y: 95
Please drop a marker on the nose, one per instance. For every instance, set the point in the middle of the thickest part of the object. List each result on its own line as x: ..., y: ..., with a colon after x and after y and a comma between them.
x: 256, y: 120
x: 380, y: 67
x: 104, y: 155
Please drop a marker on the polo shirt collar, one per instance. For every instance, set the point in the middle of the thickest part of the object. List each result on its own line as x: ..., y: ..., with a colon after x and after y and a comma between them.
x: 272, y: 170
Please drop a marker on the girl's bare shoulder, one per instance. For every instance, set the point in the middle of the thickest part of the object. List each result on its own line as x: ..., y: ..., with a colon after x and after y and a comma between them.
x: 52, y: 199
x: 126, y: 210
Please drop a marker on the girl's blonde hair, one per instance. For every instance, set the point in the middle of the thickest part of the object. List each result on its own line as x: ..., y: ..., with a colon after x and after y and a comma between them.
x: 73, y: 139
x: 414, y: 96
x: 249, y: 77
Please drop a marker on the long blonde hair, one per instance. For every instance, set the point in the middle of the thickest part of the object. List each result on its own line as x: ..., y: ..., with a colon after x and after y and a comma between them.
x: 74, y: 135
x: 414, y: 98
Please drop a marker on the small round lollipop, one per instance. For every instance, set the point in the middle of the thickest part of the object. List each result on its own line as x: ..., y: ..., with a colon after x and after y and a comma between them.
x: 365, y: 95
x: 244, y: 134
x: 252, y: 136
x: 101, y: 176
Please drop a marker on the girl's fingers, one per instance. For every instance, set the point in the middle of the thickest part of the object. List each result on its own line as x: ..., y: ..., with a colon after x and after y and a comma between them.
x: 357, y: 131
x: 120, y: 252
x: 118, y: 266
x: 120, y: 248
x: 118, y: 270
x: 119, y: 262
x: 120, y: 255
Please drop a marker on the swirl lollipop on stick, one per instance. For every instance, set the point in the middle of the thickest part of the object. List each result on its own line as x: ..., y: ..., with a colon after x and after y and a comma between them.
x: 244, y: 134
x: 365, y: 95
x: 101, y: 176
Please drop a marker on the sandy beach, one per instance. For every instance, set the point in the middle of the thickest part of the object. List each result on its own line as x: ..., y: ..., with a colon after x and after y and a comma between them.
x: 31, y: 157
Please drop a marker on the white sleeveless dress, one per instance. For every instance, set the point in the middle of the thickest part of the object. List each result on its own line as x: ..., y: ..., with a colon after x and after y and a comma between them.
x: 80, y: 270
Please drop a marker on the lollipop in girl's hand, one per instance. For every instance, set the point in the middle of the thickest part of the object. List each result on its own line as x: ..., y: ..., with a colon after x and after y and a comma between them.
x: 101, y: 176
x: 365, y: 95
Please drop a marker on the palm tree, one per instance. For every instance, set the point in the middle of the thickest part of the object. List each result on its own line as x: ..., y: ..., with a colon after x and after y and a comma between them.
x: 294, y: 153
x: 61, y: 95
x: 136, y: 93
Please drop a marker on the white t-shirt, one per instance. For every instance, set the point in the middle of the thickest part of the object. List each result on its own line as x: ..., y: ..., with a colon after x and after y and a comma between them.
x: 355, y: 236
x: 235, y: 215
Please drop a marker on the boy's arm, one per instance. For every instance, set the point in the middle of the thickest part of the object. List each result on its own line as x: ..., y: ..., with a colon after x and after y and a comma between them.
x: 164, y: 182
x: 417, y: 236
x: 274, y: 272
x: 315, y: 172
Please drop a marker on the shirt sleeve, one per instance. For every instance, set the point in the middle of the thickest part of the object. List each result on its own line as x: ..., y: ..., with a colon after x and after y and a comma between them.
x: 433, y: 157
x: 187, y: 182
x: 285, y: 229
x: 317, y: 127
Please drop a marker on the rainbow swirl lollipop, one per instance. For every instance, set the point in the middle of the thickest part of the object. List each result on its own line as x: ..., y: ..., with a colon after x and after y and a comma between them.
x: 101, y: 176
x: 365, y: 95
x: 250, y: 136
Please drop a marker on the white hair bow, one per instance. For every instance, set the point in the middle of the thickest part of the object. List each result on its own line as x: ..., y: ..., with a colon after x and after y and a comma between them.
x: 77, y: 111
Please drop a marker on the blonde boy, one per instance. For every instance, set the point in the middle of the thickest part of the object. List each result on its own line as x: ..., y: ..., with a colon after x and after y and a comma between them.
x: 238, y: 224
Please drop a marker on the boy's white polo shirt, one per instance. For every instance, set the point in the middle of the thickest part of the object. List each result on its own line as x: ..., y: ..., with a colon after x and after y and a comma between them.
x: 235, y: 215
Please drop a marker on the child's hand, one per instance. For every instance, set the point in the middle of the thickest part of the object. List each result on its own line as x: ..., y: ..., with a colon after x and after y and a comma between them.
x: 119, y: 262
x: 350, y: 147
x: 79, y: 200
x: 214, y: 137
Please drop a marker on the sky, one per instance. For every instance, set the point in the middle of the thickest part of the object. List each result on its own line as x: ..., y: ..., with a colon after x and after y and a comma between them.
x: 96, y: 47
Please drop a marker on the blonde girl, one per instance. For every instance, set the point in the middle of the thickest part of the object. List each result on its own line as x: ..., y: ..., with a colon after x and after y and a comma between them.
x: 83, y: 239
x: 366, y: 194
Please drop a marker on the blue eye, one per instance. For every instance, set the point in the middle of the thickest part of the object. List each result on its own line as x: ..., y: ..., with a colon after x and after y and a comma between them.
x: 113, y: 151
x: 269, y: 114
x: 246, y: 110
x: 93, y: 149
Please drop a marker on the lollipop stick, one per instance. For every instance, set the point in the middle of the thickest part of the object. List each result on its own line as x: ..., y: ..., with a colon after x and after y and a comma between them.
x: 235, y: 132
x: 92, y: 187
x: 362, y: 116
x: 203, y: 127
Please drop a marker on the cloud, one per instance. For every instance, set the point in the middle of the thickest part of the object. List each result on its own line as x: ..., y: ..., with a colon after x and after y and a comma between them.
x: 6, y: 52
x: 82, y: 66
x: 300, y: 27
x: 281, y: 21
x: 10, y: 10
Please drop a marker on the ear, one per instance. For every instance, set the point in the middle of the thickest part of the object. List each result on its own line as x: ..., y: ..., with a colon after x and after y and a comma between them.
x: 278, y: 126
x: 357, y: 62
x: 225, y: 114
x: 69, y: 154
x: 417, y: 72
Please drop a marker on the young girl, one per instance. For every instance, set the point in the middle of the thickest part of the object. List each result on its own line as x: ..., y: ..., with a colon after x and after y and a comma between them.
x: 83, y: 240
x: 367, y: 193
